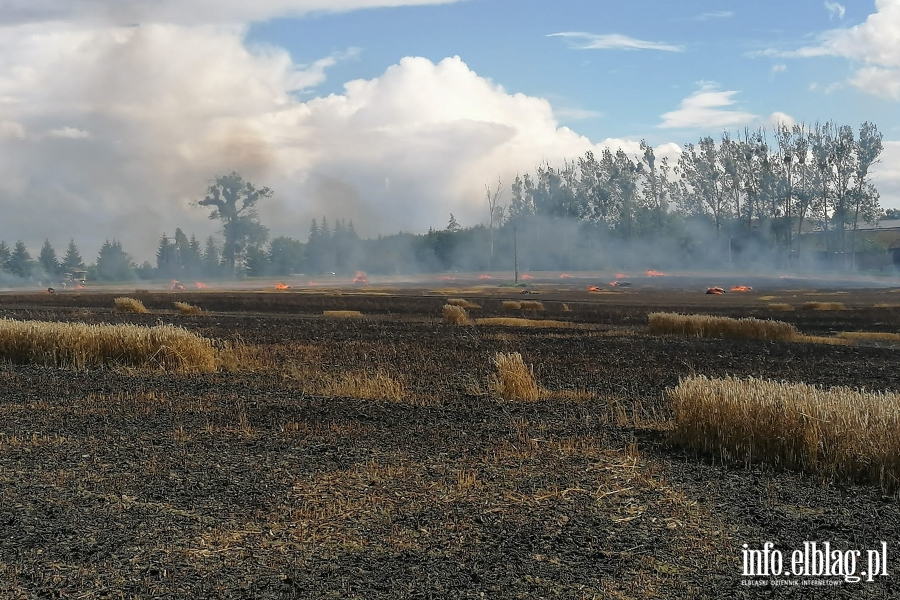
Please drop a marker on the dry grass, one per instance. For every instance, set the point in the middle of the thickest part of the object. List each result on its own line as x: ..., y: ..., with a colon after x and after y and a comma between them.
x: 577, y: 395
x: 875, y: 336
x: 781, y: 307
x: 514, y: 322
x: 720, y: 327
x: 462, y: 303
x: 514, y: 380
x: 455, y: 315
x: 533, y: 305
x: 377, y: 385
x: 887, y: 305
x: 726, y: 327
x: 840, y: 433
x: 824, y: 306
x: 820, y: 339
x: 238, y: 357
x: 130, y: 305
x: 565, y: 308
x: 342, y: 314
x: 85, y: 346
x: 188, y: 309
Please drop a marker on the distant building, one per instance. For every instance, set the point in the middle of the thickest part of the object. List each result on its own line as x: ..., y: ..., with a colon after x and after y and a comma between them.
x: 876, y: 247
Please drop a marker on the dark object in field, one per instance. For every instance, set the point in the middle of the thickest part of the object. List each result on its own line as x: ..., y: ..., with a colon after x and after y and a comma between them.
x: 177, y: 285
x: 715, y: 290
x: 51, y: 290
x: 526, y: 292
x: 620, y: 283
x: 594, y: 288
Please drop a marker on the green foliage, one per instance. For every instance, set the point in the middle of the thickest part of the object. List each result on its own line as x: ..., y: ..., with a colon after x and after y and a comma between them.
x: 47, y: 259
x: 166, y: 258
x: 286, y: 256
x: 20, y: 263
x: 191, y: 257
x: 5, y: 255
x: 257, y: 262
x: 233, y: 201
x: 332, y: 251
x: 146, y: 271
x: 212, y: 266
x: 72, y: 261
x: 113, y: 264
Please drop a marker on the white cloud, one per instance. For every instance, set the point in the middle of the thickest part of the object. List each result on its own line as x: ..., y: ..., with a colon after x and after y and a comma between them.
x: 706, y: 108
x: 708, y: 16
x: 11, y: 129
x: 141, y: 118
x: 70, y: 133
x: 191, y: 12
x: 571, y: 113
x: 779, y: 68
x: 613, y: 41
x: 778, y: 118
x: 835, y: 9
x: 875, y: 42
x: 886, y: 175
x: 312, y: 75
x: 884, y: 83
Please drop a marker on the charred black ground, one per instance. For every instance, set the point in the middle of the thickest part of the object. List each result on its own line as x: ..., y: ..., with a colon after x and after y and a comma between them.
x: 243, y: 485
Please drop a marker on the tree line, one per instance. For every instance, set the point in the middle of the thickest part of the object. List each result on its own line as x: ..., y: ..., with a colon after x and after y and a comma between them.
x: 771, y: 185
x: 753, y: 193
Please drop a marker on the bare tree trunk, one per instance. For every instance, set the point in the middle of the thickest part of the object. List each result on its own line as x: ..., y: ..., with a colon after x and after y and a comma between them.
x: 492, y: 199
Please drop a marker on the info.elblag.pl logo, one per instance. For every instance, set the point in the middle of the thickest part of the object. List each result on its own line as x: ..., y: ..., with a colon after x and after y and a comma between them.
x: 816, y: 563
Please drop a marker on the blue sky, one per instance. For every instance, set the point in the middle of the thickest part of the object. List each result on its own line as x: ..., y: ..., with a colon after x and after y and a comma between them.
x: 611, y: 92
x: 116, y: 114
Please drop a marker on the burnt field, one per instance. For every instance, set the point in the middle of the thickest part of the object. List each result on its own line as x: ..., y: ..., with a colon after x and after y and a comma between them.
x: 287, y: 474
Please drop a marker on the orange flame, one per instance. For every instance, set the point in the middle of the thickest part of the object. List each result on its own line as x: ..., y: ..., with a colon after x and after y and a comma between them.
x: 594, y: 288
x: 655, y: 273
x: 527, y: 277
x: 200, y: 285
x: 483, y: 276
x: 621, y: 275
x: 313, y: 283
x: 446, y: 278
x: 176, y: 285
x: 281, y: 286
x: 742, y: 288
x: 565, y: 276
x: 360, y: 278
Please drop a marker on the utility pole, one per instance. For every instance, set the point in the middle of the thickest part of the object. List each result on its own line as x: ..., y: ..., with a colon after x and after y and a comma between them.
x: 516, y: 252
